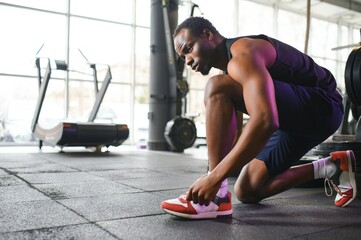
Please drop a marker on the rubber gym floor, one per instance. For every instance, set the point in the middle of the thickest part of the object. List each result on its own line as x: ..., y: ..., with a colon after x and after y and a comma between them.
x: 80, y: 194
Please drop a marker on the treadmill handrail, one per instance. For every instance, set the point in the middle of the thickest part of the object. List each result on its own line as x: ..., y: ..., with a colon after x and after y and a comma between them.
x: 100, y: 95
x: 43, y: 87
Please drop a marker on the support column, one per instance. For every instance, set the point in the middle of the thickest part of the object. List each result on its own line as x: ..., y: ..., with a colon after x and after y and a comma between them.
x: 161, y: 102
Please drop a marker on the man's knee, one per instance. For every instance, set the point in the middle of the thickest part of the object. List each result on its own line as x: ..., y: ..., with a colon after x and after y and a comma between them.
x: 222, y: 86
x: 250, y: 181
x: 214, y: 85
x: 246, y: 196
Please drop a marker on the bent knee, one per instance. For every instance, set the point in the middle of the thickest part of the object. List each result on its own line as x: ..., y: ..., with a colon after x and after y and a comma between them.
x: 222, y: 86
x: 245, y: 196
x: 214, y: 85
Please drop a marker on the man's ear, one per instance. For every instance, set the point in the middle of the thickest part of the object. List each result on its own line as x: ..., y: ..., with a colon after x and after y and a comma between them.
x: 207, y: 34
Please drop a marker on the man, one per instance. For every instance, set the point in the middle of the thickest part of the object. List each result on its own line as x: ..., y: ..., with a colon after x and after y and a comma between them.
x: 292, y: 103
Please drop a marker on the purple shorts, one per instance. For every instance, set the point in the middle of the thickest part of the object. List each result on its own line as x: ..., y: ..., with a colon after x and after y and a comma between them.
x: 307, y: 117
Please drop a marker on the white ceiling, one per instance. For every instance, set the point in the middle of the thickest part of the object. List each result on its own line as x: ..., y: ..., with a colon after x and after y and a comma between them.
x: 346, y: 11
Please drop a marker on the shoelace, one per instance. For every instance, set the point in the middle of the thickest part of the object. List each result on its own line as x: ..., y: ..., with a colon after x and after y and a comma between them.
x: 328, y: 184
x: 184, y: 195
x: 217, y: 200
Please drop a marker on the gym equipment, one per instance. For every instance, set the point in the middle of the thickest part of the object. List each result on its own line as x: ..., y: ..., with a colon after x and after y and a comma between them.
x: 162, y: 86
x: 180, y: 132
x: 66, y: 133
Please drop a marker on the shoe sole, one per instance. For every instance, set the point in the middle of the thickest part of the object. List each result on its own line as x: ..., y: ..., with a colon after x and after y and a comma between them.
x: 206, y: 215
x: 351, y: 173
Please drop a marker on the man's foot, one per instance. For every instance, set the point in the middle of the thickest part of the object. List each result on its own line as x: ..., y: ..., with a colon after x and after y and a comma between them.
x: 343, y: 180
x: 187, y: 209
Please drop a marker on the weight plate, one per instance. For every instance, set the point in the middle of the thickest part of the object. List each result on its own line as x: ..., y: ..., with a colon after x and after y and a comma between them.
x: 356, y: 111
x: 180, y: 133
x: 348, y: 75
x: 356, y: 77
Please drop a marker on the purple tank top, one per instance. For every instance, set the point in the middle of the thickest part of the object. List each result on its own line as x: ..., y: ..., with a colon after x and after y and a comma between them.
x: 293, y: 66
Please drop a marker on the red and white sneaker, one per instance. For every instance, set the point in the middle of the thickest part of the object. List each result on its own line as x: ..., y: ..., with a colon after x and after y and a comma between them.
x: 187, y: 209
x: 343, y: 180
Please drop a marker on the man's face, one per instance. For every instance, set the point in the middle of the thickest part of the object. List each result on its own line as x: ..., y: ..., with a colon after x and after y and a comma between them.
x: 194, y: 50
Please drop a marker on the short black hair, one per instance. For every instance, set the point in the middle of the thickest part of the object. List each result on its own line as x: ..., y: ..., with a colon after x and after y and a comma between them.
x: 196, y: 25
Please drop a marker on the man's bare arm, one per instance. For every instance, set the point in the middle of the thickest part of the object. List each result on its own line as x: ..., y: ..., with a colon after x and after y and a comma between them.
x: 249, y: 67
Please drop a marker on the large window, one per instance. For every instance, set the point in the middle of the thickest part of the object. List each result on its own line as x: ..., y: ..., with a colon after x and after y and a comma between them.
x: 109, y: 33
x: 248, y: 19
x: 37, y: 34
x: 291, y: 28
x: 113, y: 10
x: 116, y: 33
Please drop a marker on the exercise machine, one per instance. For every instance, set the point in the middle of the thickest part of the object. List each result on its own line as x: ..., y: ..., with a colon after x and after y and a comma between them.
x: 348, y: 136
x: 68, y: 133
x: 180, y: 131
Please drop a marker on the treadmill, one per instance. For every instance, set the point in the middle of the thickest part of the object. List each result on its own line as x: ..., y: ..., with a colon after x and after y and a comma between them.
x: 67, y: 133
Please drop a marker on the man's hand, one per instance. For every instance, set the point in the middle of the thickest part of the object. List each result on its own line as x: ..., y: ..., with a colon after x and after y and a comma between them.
x: 203, y: 190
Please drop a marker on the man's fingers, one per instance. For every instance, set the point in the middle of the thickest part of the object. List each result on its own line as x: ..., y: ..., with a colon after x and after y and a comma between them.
x: 207, y: 202
x: 195, y: 197
x: 198, y: 192
x: 189, y: 195
x: 201, y: 200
